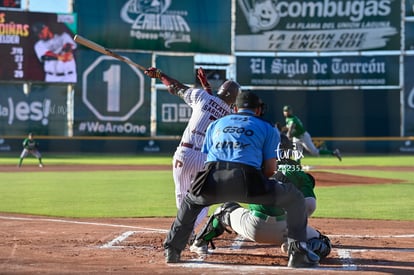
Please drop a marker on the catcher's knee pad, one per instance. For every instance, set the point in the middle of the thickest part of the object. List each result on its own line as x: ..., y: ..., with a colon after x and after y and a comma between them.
x: 222, y: 213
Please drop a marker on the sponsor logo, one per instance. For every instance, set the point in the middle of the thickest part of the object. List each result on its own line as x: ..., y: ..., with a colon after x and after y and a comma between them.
x: 295, y: 152
x: 265, y: 15
x: 97, y: 127
x: 25, y: 111
x: 4, y: 147
x: 152, y: 147
x: 152, y: 20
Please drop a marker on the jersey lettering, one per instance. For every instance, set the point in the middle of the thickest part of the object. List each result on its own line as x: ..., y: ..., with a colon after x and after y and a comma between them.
x: 230, y: 145
x: 215, y: 109
x: 240, y: 118
x: 238, y: 130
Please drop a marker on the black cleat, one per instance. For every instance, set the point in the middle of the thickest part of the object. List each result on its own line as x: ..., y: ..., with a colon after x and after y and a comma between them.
x: 337, y: 154
x: 301, y: 256
x: 172, y: 255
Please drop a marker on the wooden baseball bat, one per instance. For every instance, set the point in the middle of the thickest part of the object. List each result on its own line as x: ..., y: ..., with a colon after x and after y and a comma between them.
x: 96, y: 47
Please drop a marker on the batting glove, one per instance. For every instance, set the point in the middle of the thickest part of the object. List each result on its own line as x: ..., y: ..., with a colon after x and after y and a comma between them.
x: 201, y: 75
x: 153, y: 72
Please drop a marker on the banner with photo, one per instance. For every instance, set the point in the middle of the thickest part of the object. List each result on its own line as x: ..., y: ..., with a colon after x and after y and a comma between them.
x: 175, y: 25
x: 318, y: 71
x: 317, y: 25
x: 37, y: 47
x: 14, y: 4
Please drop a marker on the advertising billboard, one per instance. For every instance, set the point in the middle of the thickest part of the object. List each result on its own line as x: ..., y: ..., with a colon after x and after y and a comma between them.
x: 43, y: 111
x: 15, y: 4
x: 202, y: 26
x: 318, y: 71
x: 37, y: 47
x: 317, y: 25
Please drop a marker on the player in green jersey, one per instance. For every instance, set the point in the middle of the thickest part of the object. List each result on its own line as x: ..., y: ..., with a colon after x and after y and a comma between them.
x: 30, y: 146
x: 295, y: 131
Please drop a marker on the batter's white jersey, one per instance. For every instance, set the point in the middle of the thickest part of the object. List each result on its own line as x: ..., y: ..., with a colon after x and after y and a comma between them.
x: 56, y: 70
x: 188, y: 158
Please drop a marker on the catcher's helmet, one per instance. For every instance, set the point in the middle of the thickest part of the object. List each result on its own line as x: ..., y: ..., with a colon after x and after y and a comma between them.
x: 285, y: 142
x: 311, y: 178
x: 228, y: 91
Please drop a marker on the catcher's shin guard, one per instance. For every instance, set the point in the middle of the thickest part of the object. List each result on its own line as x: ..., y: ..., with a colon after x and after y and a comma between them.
x: 216, y: 224
x: 212, y: 229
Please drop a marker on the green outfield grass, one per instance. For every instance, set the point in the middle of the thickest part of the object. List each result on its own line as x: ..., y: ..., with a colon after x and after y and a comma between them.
x: 92, y: 159
x: 151, y: 193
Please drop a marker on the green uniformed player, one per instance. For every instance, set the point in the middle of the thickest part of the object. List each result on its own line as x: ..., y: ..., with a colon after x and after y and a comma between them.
x: 266, y: 223
x: 295, y: 131
x: 30, y: 146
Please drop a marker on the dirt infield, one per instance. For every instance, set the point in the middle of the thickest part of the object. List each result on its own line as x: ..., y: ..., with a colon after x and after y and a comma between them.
x: 48, y: 245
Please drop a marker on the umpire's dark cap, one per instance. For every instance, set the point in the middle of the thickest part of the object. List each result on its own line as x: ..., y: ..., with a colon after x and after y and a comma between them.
x: 248, y: 100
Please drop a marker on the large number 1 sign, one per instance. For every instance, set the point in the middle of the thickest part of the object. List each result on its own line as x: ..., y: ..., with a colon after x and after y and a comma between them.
x: 112, y: 90
x: 112, y: 77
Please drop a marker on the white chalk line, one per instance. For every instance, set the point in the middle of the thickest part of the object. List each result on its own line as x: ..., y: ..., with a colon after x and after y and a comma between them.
x: 345, y: 255
x: 85, y: 223
x: 238, y: 242
x: 118, y: 239
x: 372, y: 236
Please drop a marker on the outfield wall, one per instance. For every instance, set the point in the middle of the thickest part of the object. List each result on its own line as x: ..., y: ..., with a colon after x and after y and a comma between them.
x: 348, y: 77
x: 167, y: 146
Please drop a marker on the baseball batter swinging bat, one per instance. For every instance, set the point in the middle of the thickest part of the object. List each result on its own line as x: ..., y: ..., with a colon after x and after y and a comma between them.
x: 96, y: 47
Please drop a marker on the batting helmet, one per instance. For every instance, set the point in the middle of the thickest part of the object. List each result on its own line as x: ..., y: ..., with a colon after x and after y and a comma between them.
x: 228, y: 91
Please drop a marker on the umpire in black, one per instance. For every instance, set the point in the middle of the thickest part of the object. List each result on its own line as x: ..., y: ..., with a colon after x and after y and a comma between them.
x: 241, y: 157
